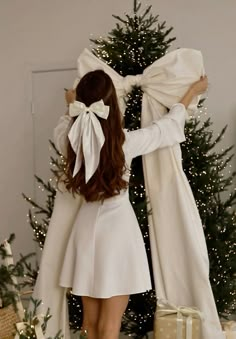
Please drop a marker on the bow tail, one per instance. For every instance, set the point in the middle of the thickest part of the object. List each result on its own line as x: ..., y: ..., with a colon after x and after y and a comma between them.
x: 78, y: 161
x: 75, y: 137
x: 150, y: 112
x: 93, y: 140
x: 178, y: 247
x: 47, y: 287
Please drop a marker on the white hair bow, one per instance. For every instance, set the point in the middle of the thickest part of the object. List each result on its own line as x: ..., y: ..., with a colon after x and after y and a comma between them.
x: 86, y: 135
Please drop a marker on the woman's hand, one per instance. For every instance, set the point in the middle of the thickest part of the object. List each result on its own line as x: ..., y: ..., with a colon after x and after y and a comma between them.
x: 70, y: 95
x: 194, y: 90
x: 200, y: 86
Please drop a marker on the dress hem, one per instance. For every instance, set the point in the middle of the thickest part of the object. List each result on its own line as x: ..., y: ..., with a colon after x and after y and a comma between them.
x: 91, y: 295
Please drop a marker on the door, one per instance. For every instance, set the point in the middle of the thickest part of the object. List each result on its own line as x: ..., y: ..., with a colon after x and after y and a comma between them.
x: 48, y: 104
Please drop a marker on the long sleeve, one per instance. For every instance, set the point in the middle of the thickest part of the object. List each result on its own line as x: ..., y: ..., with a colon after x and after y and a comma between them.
x: 60, y: 133
x: 167, y: 131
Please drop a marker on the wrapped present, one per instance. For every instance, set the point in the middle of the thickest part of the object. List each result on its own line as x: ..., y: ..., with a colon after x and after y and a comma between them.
x: 173, y: 322
x: 229, y: 329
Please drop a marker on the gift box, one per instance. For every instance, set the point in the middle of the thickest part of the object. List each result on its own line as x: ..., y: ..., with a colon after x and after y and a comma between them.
x: 177, y: 322
x: 229, y: 329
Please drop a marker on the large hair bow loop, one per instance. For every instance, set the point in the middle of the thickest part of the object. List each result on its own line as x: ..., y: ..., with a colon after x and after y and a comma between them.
x: 86, y: 135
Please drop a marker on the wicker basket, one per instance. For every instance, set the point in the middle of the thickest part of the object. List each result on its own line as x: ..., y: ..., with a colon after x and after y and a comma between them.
x: 8, y: 318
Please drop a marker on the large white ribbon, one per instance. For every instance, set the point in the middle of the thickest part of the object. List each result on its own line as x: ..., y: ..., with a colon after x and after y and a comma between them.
x: 163, y: 82
x: 86, y: 135
x: 183, y: 313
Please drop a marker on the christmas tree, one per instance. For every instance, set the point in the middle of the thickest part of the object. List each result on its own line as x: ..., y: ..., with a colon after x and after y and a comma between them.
x: 135, y: 43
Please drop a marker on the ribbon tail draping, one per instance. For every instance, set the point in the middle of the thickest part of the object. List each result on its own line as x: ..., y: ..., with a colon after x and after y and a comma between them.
x: 86, y: 135
x: 176, y: 237
x: 93, y: 140
x: 75, y: 136
x: 47, y: 287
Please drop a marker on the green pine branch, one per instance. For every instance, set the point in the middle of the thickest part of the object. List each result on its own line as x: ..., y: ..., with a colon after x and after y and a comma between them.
x: 9, y: 288
x: 30, y: 321
x: 40, y: 224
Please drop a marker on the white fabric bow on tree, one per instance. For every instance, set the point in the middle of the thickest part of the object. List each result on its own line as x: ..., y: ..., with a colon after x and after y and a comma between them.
x: 86, y: 135
x: 164, y: 82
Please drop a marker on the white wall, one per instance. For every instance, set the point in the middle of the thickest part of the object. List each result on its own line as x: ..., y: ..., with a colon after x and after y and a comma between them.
x: 34, y: 34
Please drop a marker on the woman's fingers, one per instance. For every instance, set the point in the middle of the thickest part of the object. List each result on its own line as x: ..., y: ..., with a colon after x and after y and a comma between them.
x: 70, y: 95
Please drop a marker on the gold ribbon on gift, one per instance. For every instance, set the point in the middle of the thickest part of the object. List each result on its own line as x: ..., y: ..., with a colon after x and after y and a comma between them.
x: 229, y: 327
x: 182, y: 313
x: 37, y: 322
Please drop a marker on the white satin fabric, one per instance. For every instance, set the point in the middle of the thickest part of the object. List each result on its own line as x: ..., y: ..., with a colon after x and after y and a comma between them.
x: 47, y: 287
x: 163, y: 83
x: 179, y: 253
x: 86, y: 135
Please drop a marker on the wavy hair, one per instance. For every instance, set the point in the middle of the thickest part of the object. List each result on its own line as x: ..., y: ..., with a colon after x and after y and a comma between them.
x: 108, y: 180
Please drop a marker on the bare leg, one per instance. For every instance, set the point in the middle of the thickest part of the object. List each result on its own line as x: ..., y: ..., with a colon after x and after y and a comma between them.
x: 91, y: 308
x: 110, y: 315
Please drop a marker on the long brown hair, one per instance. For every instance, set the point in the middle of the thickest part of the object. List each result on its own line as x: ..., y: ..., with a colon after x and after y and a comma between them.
x: 107, y: 181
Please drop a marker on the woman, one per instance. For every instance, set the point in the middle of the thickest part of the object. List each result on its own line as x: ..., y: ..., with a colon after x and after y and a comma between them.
x: 105, y: 259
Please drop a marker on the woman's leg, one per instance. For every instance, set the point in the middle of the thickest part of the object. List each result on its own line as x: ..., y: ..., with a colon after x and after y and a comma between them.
x: 91, y: 308
x: 110, y: 315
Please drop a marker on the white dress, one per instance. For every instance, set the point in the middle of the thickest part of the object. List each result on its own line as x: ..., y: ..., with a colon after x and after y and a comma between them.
x: 105, y: 255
